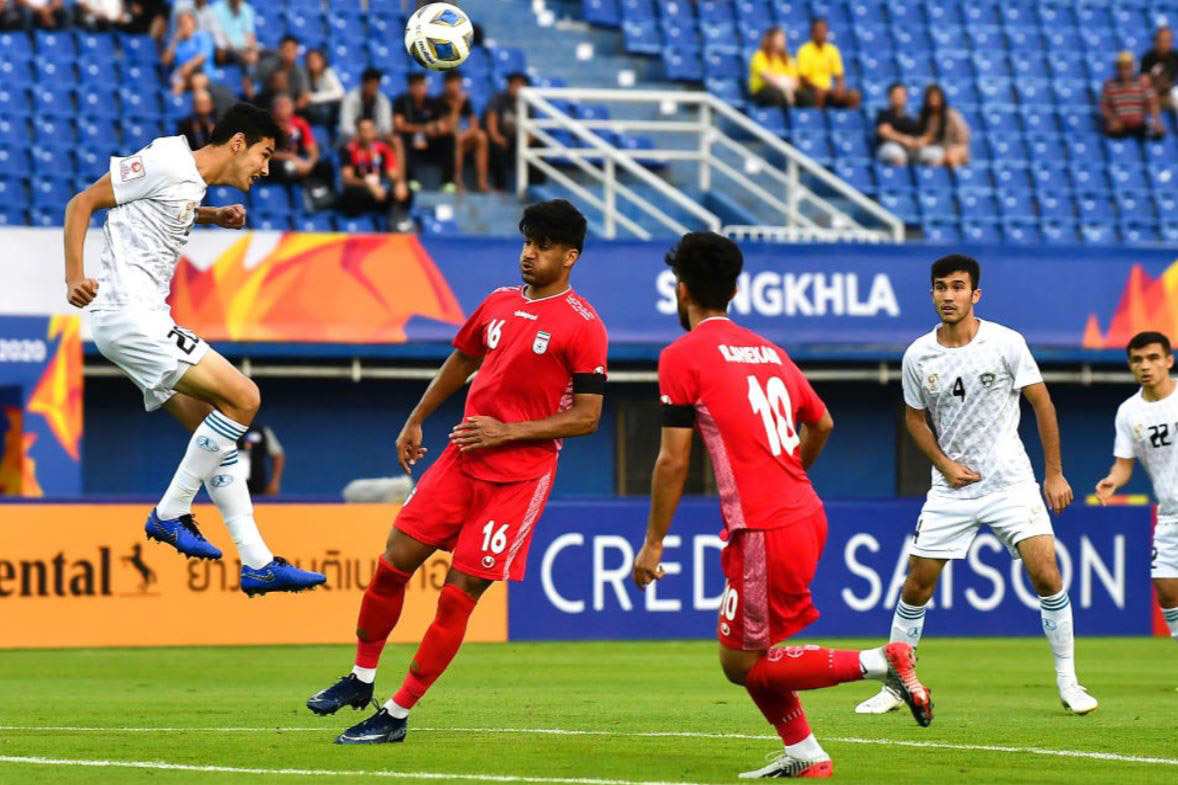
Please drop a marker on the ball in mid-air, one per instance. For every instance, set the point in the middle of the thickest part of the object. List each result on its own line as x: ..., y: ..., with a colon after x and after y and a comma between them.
x: 438, y: 36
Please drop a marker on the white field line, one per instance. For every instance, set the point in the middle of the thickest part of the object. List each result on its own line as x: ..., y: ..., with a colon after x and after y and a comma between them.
x: 1110, y: 756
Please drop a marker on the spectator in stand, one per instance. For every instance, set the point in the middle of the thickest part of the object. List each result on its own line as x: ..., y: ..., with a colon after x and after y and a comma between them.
x: 820, y: 70
x: 206, y: 17
x: 197, y: 127
x: 188, y: 54
x: 468, y: 137
x: 299, y: 158
x: 148, y: 16
x: 501, y: 122
x: 944, y: 139
x: 1129, y: 104
x: 367, y: 101
x: 423, y: 124
x: 235, y: 20
x: 10, y: 15
x: 45, y: 14
x: 372, y: 179
x: 326, y: 90
x: 286, y: 59
x: 773, y: 74
x: 256, y: 447
x: 1160, y: 64
x: 101, y: 15
x: 898, y: 133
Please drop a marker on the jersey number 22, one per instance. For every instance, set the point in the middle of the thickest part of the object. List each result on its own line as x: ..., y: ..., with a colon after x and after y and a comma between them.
x: 772, y: 403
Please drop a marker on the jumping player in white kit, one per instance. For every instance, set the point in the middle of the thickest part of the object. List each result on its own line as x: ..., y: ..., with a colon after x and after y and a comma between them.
x: 153, y: 198
x: 1147, y: 430
x: 967, y: 375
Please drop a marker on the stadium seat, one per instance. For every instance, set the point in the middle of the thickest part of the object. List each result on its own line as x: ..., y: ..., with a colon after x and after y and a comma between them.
x: 602, y: 12
x: 138, y: 48
x: 978, y: 202
x: 1021, y: 231
x: 1060, y: 232
x: 1099, y: 232
x: 936, y: 203
x: 641, y: 36
x: 771, y: 117
x: 941, y: 231
x: 807, y: 119
x: 683, y: 66
x: 979, y: 230
x: 903, y: 204
x: 1056, y: 206
x: 313, y: 222
x: 858, y: 176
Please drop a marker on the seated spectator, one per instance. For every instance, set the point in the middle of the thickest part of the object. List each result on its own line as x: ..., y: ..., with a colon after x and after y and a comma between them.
x: 944, y: 139
x: 500, y: 120
x: 468, y: 137
x: 10, y: 15
x: 773, y: 74
x: 372, y: 179
x: 235, y: 20
x: 326, y: 90
x: 1160, y: 64
x: 188, y: 55
x: 206, y: 17
x: 45, y: 14
x: 820, y: 70
x: 286, y: 59
x: 1129, y: 103
x: 278, y: 83
x: 897, y: 132
x: 198, y: 126
x: 366, y: 101
x: 102, y: 15
x: 148, y: 16
x: 298, y: 158
x: 423, y: 125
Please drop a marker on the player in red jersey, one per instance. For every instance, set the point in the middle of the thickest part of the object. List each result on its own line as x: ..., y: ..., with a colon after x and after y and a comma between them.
x: 540, y: 350
x: 763, y: 426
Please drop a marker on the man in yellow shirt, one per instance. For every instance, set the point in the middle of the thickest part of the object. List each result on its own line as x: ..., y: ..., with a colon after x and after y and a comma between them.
x: 820, y: 68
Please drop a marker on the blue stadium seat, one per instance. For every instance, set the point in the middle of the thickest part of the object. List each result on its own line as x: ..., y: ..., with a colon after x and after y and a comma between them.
x: 975, y: 176
x: 358, y: 225
x: 1090, y: 178
x: 99, y: 71
x: 1012, y: 204
x: 1021, y: 231
x: 313, y: 222
x: 1138, y: 232
x: 1060, y: 232
x: 1124, y: 151
x: 1099, y: 233
x: 14, y: 101
x: 1096, y: 208
x: 949, y: 39
x: 712, y: 11
x: 1091, y: 17
x: 1057, y: 205
x: 936, y: 203
x: 270, y: 223
x: 48, y: 217
x: 15, y: 161
x: 997, y: 90
x: 638, y: 9
x: 807, y: 119
x: 14, y: 129
x: 859, y: 176
x: 943, y: 12
x: 721, y: 64
x: 851, y: 145
x: 915, y: 65
x: 12, y: 216
x: 941, y: 230
x: 1009, y: 146
x: 641, y: 36
x: 683, y: 65
x: 1040, y: 121
x: 728, y: 90
x: 681, y: 37
x: 55, y: 44
x: 270, y: 198
x: 52, y: 130
x: 602, y: 12
x: 815, y: 144
x: 51, y: 192
x: 894, y: 178
x: 936, y: 178
x: 953, y: 66
x: 771, y: 117
x: 902, y: 203
x: 719, y: 34
x: 47, y: 71
x: 1002, y: 121
x: 1128, y: 177
x: 138, y: 48
x: 508, y: 59
x: 90, y: 163
x: 1012, y: 176
x: 16, y: 45
x: 1050, y: 175
x: 979, y: 230
x: 99, y: 102
x: 54, y: 100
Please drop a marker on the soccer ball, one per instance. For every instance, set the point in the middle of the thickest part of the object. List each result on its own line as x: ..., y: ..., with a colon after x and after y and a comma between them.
x: 438, y: 36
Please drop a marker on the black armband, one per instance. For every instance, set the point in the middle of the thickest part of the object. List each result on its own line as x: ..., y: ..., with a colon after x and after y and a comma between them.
x: 588, y: 384
x: 678, y: 416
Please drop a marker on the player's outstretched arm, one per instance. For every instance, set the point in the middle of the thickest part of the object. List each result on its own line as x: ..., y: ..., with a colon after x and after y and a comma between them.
x: 814, y: 436
x: 1055, y: 487
x: 666, y: 488
x: 956, y: 475
x: 578, y: 420
x: 449, y: 378
x: 229, y: 217
x: 80, y: 290
x: 1118, y: 476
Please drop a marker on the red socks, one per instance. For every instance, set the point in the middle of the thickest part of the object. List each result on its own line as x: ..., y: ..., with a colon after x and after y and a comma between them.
x: 379, y: 612
x: 774, y: 680
x: 439, y: 645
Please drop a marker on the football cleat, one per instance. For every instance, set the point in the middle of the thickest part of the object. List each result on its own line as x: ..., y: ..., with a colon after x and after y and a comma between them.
x: 782, y: 765
x: 1076, y: 699
x: 278, y: 575
x: 348, y: 691
x: 902, y: 680
x: 380, y: 728
x: 880, y: 703
x: 181, y: 533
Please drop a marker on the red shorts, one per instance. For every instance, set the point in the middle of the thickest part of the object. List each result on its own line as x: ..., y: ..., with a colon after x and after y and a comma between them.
x: 767, y: 592
x: 487, y: 525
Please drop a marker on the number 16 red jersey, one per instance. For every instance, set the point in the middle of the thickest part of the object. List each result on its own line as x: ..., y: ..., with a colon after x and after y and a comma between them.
x: 747, y: 399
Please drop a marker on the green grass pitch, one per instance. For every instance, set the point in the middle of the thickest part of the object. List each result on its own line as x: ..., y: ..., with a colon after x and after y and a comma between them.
x: 242, y: 709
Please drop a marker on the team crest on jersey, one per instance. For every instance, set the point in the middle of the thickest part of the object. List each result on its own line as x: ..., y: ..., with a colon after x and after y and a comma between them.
x: 540, y: 345
x: 933, y: 383
x: 131, y: 169
x: 188, y: 208
x: 987, y: 379
x: 488, y: 562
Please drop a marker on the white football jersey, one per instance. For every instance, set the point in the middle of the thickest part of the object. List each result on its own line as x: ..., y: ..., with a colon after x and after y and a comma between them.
x: 972, y: 393
x: 157, y: 190
x: 1147, y: 431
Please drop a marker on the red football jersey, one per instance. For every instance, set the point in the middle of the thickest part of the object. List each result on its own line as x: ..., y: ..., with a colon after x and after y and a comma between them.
x: 747, y: 398
x: 537, y: 353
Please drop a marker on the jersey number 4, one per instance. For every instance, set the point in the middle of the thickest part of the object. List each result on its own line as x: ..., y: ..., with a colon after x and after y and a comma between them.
x: 959, y: 389
x: 772, y: 403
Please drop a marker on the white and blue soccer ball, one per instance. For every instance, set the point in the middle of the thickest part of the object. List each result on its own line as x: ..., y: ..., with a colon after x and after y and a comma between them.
x: 439, y: 36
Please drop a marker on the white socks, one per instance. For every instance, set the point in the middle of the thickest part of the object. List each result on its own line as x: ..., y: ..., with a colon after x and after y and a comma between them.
x: 227, y: 488
x: 366, y: 675
x: 1056, y: 612
x: 806, y: 749
x: 907, y: 624
x: 1171, y: 617
x: 400, y: 713
x: 873, y: 663
x: 211, y: 443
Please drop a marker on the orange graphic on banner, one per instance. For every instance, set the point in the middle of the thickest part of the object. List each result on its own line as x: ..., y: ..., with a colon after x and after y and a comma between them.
x: 315, y: 287
x: 84, y: 575
x: 58, y: 394
x: 11, y: 451
x: 1146, y: 304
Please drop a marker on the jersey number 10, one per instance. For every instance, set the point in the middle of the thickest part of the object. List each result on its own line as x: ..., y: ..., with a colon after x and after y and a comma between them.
x: 772, y: 403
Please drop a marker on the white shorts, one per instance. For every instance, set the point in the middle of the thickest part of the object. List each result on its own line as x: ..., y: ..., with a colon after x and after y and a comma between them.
x: 1163, y: 561
x: 149, y: 348
x: 946, y: 527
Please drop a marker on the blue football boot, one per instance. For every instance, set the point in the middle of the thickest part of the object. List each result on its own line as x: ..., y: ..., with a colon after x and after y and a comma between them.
x: 348, y: 691
x: 380, y: 728
x: 278, y: 575
x: 181, y: 533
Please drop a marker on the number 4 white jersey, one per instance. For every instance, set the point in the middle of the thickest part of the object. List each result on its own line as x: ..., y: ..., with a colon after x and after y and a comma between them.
x: 972, y: 393
x: 1148, y: 431
x: 157, y: 190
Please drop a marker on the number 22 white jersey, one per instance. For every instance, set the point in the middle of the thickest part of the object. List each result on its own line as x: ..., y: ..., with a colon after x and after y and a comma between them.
x: 1148, y: 431
x: 972, y: 393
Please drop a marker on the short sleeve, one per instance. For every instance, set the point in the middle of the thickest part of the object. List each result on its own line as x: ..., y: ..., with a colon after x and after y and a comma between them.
x: 910, y: 380
x: 469, y: 340
x: 836, y: 61
x: 273, y: 446
x: 587, y: 358
x: 1022, y: 365
x: 1123, y: 443
x: 139, y: 176
x: 678, y: 388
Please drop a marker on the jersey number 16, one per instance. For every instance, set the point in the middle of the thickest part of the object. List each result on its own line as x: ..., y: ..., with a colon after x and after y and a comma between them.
x: 772, y: 403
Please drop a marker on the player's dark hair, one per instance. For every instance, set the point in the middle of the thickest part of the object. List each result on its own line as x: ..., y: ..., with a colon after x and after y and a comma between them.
x: 958, y: 263
x: 1142, y: 340
x: 556, y: 221
x: 242, y: 118
x: 414, y: 77
x: 452, y: 76
x: 518, y: 76
x: 708, y: 264
x: 288, y: 38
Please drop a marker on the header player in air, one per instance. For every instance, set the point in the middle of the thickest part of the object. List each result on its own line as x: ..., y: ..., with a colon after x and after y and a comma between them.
x: 1147, y: 430
x: 763, y: 426
x: 540, y: 353
x: 966, y: 374
x: 153, y: 198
